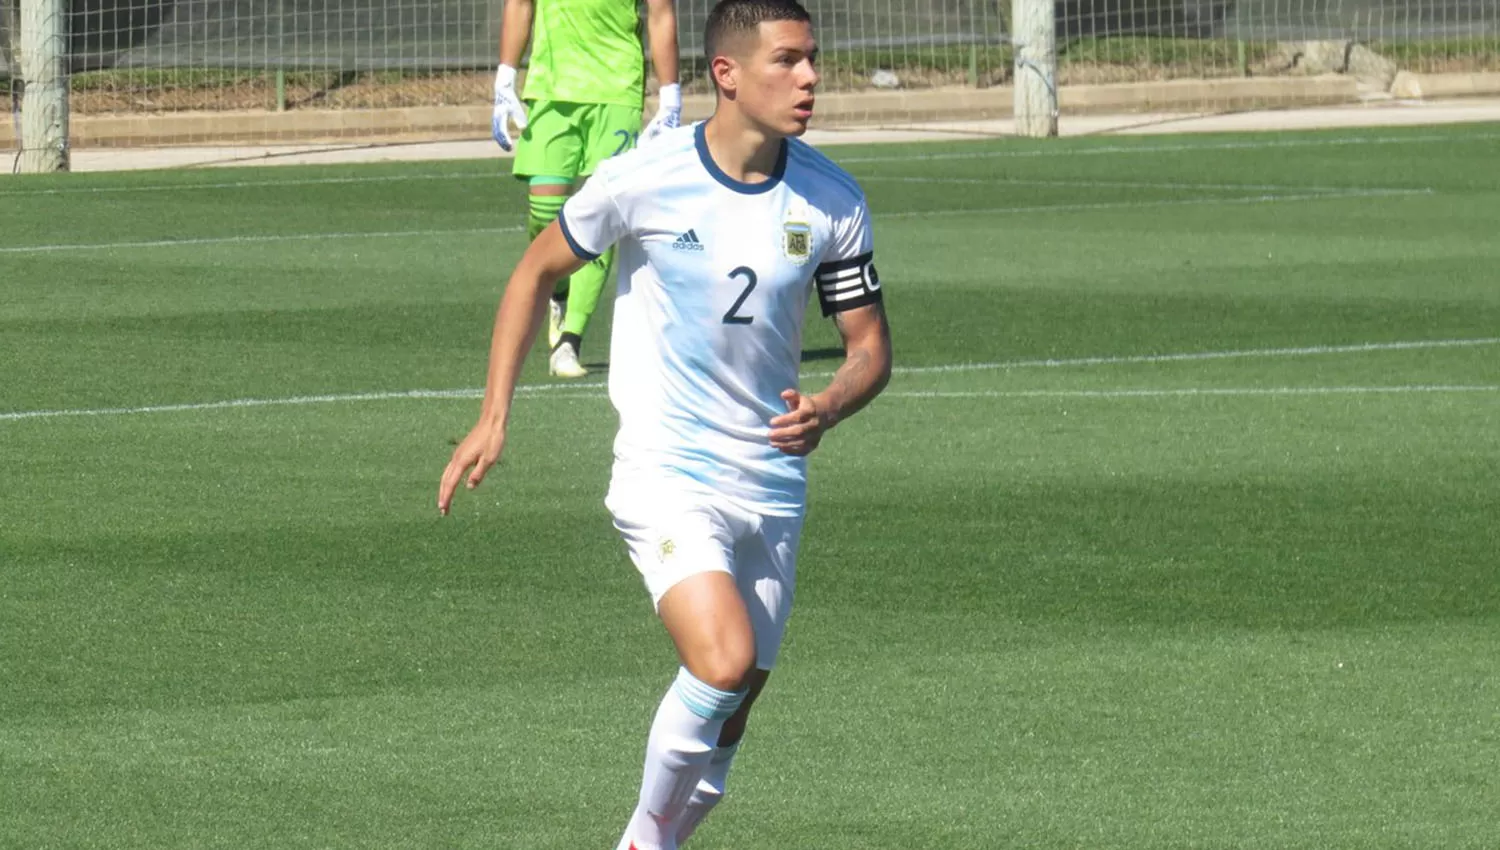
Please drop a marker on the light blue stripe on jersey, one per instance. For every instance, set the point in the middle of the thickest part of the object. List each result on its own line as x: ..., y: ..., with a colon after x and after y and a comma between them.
x: 704, y: 700
x: 806, y: 156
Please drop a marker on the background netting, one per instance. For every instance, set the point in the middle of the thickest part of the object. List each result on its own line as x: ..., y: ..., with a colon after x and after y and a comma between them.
x: 150, y: 57
x: 456, y: 34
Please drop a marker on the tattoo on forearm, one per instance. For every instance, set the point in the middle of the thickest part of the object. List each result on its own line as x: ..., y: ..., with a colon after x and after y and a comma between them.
x: 850, y: 379
x: 858, y: 380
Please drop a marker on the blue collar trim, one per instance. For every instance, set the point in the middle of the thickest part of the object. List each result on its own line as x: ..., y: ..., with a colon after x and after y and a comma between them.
x: 700, y: 140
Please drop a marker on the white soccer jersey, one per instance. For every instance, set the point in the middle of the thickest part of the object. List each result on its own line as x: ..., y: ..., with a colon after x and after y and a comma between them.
x: 713, y: 285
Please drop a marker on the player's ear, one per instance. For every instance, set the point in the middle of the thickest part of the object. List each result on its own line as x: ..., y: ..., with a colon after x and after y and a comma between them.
x: 726, y: 73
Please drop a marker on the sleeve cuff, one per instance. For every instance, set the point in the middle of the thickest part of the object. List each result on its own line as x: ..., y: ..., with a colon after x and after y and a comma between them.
x: 581, y: 252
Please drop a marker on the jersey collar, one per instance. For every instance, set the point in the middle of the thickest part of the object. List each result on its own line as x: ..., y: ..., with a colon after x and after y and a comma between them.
x: 700, y: 139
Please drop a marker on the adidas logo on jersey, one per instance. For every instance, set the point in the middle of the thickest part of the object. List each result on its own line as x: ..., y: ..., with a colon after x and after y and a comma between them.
x: 687, y: 242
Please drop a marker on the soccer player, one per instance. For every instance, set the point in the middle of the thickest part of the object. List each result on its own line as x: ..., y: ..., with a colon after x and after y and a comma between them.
x: 724, y: 229
x: 585, y: 88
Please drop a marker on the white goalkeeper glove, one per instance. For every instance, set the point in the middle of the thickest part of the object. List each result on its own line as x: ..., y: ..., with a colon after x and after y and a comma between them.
x: 668, y: 113
x: 507, y: 107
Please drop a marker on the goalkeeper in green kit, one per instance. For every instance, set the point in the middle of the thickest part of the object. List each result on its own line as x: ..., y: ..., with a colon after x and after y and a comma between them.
x: 583, y: 103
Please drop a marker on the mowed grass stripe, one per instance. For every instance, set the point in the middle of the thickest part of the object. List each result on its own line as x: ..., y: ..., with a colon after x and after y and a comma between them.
x: 1317, y: 195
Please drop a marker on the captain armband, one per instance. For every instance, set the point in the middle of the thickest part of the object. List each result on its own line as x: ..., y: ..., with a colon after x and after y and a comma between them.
x: 847, y: 284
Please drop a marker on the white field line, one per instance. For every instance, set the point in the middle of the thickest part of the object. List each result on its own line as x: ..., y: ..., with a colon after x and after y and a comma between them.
x: 1302, y: 351
x: 249, y: 240
x: 1174, y: 202
x: 1121, y: 184
x: 249, y: 184
x: 596, y: 389
x: 576, y: 393
x: 402, y: 178
x: 1199, y: 391
x: 1318, y: 195
x: 288, y: 401
x: 1175, y: 148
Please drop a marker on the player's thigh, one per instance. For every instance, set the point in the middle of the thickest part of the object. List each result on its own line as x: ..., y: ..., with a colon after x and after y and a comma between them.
x: 766, y: 571
x: 710, y: 627
x: 553, y: 143
x: 609, y: 130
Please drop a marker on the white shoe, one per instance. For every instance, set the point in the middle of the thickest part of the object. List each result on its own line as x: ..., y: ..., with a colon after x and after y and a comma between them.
x: 556, y: 310
x: 564, y: 363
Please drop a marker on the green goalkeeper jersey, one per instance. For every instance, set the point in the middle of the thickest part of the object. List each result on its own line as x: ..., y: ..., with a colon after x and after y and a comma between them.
x: 586, y: 51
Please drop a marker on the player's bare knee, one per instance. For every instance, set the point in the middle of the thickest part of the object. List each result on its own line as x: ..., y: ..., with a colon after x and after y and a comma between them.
x: 727, y: 667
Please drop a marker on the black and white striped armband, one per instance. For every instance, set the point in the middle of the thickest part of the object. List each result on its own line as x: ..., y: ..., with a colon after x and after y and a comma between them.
x: 846, y: 284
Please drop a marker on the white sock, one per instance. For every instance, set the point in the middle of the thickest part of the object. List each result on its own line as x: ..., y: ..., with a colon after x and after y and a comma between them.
x: 682, y: 742
x: 709, y: 792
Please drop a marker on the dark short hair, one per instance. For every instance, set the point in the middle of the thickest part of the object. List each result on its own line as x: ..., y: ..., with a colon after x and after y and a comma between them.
x: 731, y: 18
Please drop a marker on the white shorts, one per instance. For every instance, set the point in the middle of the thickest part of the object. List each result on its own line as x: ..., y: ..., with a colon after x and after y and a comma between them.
x: 673, y: 533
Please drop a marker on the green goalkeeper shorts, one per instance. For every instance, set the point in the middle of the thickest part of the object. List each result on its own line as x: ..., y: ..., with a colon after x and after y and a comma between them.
x: 571, y: 139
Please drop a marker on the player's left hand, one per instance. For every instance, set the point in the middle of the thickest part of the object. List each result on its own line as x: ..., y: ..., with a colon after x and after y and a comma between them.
x: 668, y: 114
x: 801, y: 428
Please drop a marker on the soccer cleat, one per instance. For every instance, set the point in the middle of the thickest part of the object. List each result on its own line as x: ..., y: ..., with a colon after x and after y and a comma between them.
x: 556, y: 310
x: 564, y: 362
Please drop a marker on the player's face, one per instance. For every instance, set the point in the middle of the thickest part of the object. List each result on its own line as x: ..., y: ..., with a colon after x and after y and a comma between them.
x: 777, y: 80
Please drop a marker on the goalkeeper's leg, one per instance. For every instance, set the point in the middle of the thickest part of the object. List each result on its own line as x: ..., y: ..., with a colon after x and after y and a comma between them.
x: 584, y: 289
x: 608, y: 130
x: 544, y: 202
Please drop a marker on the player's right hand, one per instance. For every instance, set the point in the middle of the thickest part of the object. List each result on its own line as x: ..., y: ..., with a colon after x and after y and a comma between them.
x: 508, y: 108
x: 471, y: 460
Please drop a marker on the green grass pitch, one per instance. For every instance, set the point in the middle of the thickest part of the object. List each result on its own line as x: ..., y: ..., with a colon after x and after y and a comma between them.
x: 1178, y: 527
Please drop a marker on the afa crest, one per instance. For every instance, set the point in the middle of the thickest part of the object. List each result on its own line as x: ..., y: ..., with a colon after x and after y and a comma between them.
x: 797, y: 241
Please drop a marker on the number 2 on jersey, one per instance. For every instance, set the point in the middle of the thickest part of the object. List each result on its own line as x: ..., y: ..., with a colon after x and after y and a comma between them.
x: 731, y: 316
